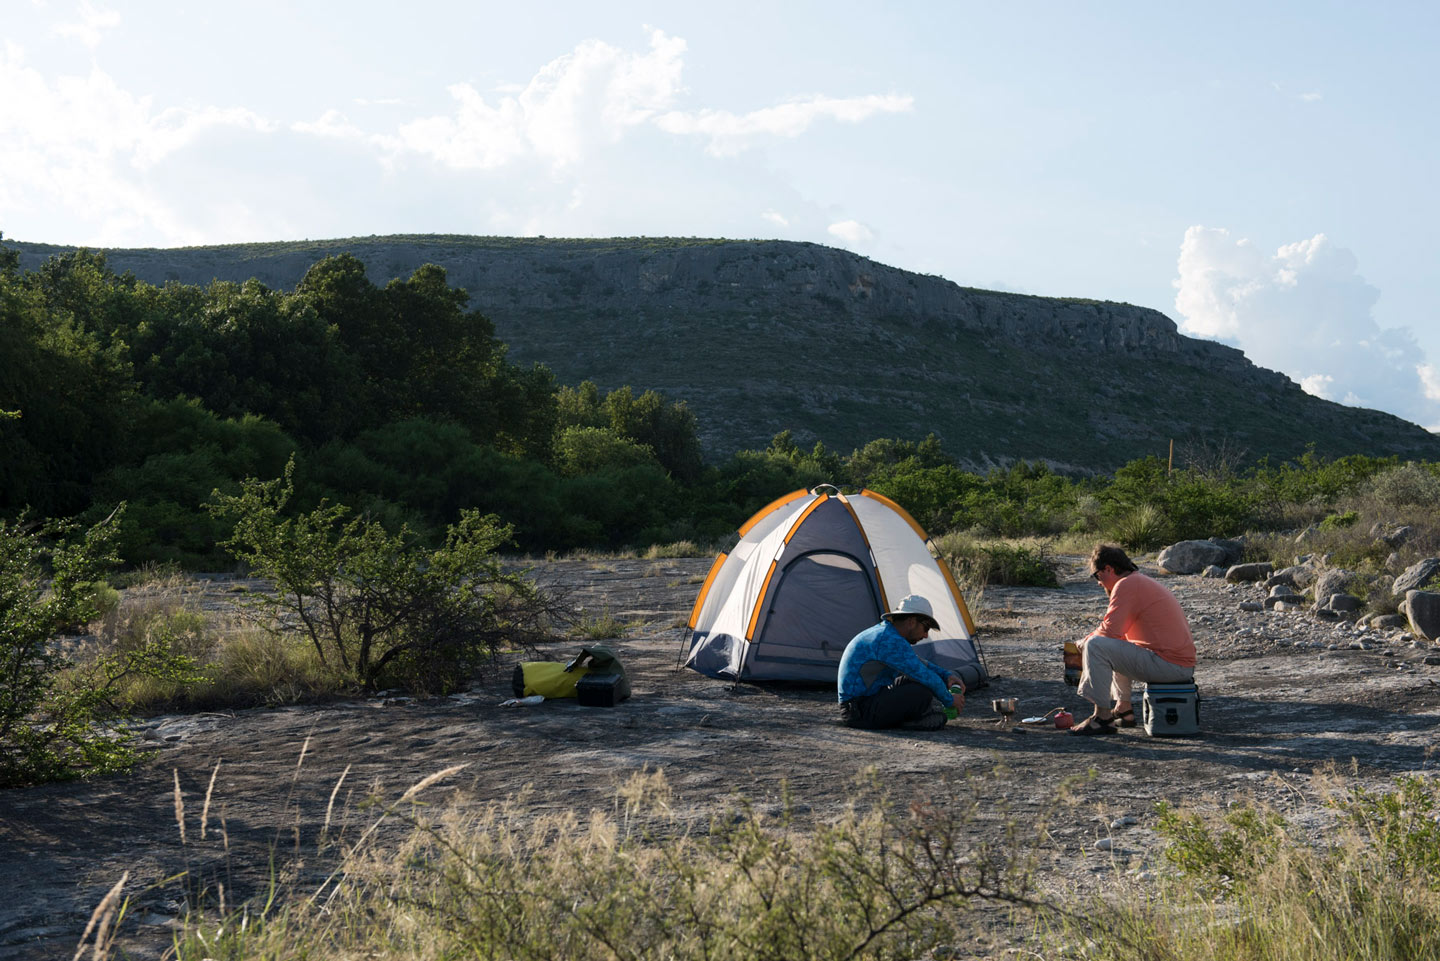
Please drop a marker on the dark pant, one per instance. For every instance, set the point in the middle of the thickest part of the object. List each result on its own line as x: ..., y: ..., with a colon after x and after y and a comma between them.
x: 905, y: 700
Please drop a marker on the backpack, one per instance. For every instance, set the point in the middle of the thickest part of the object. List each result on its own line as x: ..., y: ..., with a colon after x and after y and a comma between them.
x: 552, y: 679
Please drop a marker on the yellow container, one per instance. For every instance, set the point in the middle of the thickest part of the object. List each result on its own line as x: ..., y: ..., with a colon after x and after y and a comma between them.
x: 1073, y: 664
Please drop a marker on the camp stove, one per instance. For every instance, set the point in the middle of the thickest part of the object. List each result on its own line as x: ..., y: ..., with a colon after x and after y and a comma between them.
x: 1005, y: 707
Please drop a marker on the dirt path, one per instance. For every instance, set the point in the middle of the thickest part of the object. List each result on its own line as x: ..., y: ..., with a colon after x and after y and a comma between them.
x: 1285, y: 697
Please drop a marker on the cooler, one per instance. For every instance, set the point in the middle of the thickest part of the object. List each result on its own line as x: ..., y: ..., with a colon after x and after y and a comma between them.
x: 1171, y: 710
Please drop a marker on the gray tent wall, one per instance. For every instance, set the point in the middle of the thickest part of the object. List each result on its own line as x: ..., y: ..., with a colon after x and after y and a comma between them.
x: 804, y: 580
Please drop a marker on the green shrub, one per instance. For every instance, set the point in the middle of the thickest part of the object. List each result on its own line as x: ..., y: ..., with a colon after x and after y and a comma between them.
x: 1339, y: 522
x: 1408, y: 485
x: 48, y: 706
x: 1141, y: 528
x: 1252, y: 888
x: 374, y: 605
x: 997, y: 562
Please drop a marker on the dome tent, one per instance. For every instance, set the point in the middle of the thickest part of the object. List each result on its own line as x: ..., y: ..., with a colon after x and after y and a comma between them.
x: 812, y: 570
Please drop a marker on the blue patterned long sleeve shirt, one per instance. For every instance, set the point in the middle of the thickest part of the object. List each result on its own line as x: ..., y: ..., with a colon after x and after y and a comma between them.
x: 878, y: 655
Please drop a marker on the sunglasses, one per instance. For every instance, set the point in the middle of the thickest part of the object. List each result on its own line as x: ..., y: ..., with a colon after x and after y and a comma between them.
x: 1095, y: 576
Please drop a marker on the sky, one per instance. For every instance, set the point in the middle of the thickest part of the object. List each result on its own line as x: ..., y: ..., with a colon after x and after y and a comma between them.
x: 1259, y: 172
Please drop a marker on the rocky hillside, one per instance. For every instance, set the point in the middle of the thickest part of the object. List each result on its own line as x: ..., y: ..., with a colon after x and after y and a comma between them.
x: 762, y: 336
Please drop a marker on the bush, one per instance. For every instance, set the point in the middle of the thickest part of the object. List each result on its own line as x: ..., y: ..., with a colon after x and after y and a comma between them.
x: 1408, y: 485
x: 880, y: 881
x: 999, y: 562
x: 1252, y: 888
x: 1142, y: 528
x: 48, y: 712
x: 374, y: 605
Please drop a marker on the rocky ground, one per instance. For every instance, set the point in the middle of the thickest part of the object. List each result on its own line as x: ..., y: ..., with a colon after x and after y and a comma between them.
x: 1287, y: 699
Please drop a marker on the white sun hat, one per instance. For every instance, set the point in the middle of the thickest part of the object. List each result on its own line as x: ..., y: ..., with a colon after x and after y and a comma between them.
x: 916, y: 605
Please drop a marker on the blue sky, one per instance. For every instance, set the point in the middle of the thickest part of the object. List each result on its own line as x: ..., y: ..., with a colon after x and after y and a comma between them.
x: 1259, y: 172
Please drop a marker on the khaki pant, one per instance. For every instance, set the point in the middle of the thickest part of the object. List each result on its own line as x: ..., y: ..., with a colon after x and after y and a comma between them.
x: 1111, y: 663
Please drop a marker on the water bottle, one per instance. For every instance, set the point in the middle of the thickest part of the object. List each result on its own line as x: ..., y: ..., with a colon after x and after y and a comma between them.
x: 950, y: 712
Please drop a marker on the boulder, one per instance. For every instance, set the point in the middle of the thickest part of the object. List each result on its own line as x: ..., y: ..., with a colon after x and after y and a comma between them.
x: 1298, y: 576
x: 1343, y: 603
x: 1234, y: 549
x: 1246, y: 573
x: 1283, y: 598
x: 1285, y: 577
x: 1214, y: 570
x: 1416, y: 574
x: 1397, y: 536
x: 1388, y: 620
x: 1423, y: 610
x: 1307, y: 535
x: 1191, y: 557
x: 1332, y: 581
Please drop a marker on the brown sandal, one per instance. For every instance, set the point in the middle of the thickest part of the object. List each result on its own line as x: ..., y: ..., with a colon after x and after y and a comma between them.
x: 1094, y: 725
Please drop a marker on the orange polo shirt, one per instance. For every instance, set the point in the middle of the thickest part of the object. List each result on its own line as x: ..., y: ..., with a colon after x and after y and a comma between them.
x: 1145, y: 613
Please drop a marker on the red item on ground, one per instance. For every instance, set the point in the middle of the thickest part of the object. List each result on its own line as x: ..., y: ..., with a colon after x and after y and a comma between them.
x: 1064, y: 720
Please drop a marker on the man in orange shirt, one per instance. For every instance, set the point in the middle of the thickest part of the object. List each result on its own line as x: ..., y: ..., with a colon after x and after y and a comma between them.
x: 1143, y: 637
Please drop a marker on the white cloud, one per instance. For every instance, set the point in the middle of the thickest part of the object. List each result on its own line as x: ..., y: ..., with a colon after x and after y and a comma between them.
x: 1305, y: 311
x: 851, y: 232
x: 332, y: 123
x: 729, y: 133
x: 595, y: 96
x: 1429, y: 380
x: 1319, y: 385
x: 598, y: 140
x: 80, y: 145
x: 587, y: 97
x: 92, y: 22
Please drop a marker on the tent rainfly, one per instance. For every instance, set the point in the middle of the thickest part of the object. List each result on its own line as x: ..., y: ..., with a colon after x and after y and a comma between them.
x: 812, y: 570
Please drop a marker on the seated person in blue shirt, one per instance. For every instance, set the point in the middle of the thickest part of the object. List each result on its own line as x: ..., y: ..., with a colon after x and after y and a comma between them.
x: 883, y: 683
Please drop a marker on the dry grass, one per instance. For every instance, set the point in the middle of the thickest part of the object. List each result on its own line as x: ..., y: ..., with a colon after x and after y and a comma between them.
x: 496, y: 880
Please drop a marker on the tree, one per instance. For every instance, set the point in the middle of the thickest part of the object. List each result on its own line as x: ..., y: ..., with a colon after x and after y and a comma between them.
x: 73, y: 396
x: 374, y: 604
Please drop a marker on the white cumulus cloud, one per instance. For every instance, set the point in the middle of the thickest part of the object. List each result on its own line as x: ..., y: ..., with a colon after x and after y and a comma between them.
x: 1430, y: 380
x: 1304, y: 310
x: 595, y: 96
x: 591, y: 95
x: 729, y: 133
x: 852, y: 233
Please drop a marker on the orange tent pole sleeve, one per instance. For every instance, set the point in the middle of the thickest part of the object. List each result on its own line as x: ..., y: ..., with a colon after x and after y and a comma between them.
x: 760, y: 602
x: 765, y: 587
x: 944, y: 567
x: 705, y: 588
x: 778, y: 502
x: 919, y: 531
x: 955, y: 591
x: 884, y: 600
x: 799, y: 521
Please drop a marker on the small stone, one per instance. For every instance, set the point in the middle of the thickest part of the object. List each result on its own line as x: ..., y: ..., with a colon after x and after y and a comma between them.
x: 1432, y: 659
x: 1105, y: 844
x: 1123, y: 822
